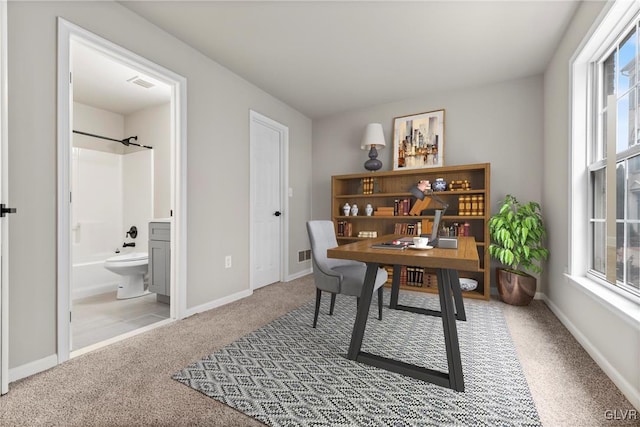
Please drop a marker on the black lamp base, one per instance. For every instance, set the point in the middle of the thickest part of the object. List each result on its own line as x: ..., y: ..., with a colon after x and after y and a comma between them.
x: 373, y: 164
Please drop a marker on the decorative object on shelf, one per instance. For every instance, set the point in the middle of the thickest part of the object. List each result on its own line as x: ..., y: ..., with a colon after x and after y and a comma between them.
x: 373, y: 136
x: 368, y: 210
x: 517, y: 232
x: 418, y: 140
x: 439, y: 185
x: 467, y: 284
x: 346, y: 209
x: 354, y: 210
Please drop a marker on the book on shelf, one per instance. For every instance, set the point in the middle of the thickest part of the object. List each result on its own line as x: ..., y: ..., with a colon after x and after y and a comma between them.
x: 344, y: 229
x: 410, y: 228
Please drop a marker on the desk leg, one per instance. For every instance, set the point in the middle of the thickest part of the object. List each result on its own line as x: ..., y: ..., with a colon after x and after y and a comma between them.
x: 457, y: 295
x: 456, y: 380
x: 395, y: 286
x: 363, y: 311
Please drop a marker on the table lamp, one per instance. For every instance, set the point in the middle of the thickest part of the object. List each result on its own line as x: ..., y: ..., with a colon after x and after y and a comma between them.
x: 425, y: 196
x: 373, y: 136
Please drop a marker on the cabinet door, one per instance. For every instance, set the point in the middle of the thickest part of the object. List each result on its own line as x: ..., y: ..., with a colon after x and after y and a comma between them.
x: 158, y: 277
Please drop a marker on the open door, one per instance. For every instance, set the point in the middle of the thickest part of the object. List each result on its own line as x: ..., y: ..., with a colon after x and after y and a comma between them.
x: 4, y: 253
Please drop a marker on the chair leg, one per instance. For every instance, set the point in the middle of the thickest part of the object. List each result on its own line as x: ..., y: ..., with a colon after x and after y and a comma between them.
x: 333, y: 304
x: 380, y: 303
x: 357, y: 302
x: 315, y: 316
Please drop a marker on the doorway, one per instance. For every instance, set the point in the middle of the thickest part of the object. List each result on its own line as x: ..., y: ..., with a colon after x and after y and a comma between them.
x: 100, y: 153
x: 4, y: 226
x: 269, y: 231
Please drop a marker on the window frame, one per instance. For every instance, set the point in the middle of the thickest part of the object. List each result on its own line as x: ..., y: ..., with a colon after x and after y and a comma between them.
x: 585, y: 88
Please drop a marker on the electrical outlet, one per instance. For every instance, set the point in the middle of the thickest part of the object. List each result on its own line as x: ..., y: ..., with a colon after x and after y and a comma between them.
x: 227, y: 261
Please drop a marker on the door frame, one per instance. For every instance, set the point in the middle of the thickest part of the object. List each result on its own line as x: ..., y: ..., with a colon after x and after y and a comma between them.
x: 285, y: 192
x: 66, y: 33
x: 4, y: 195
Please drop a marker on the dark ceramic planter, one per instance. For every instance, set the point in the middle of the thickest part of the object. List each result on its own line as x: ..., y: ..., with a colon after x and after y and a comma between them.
x: 515, y: 289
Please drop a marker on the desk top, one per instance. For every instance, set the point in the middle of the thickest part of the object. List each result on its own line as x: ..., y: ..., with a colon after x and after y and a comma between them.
x: 464, y: 258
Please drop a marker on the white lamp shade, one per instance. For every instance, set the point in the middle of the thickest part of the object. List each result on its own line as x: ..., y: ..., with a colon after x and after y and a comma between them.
x: 373, y: 135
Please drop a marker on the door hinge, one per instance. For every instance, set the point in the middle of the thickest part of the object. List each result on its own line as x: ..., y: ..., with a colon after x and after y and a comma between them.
x: 5, y: 210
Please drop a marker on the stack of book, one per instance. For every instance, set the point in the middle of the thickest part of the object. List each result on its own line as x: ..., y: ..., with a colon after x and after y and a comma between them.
x: 384, y: 211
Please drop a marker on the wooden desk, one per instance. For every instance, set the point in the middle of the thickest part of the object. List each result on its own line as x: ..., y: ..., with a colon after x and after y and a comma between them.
x: 446, y: 262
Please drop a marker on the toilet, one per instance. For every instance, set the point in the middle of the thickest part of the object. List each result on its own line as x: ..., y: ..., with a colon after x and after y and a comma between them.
x: 132, y: 267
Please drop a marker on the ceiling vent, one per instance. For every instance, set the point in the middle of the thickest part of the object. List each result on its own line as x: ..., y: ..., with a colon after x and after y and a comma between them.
x: 141, y: 82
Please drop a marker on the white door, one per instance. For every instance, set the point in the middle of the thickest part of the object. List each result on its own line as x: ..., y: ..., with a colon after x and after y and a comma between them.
x: 4, y: 253
x: 267, y: 147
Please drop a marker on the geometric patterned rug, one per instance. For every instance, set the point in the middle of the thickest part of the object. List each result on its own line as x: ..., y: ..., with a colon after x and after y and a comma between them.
x: 289, y: 374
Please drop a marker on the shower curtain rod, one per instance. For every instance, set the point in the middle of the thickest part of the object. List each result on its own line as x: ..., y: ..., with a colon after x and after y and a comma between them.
x: 126, y: 141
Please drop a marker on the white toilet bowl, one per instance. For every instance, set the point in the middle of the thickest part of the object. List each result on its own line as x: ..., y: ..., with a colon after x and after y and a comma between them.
x: 132, y: 267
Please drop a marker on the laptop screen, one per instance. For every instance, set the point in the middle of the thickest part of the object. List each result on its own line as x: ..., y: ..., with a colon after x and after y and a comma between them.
x: 433, y: 239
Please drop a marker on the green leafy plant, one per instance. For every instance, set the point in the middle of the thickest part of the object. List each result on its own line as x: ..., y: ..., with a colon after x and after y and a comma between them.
x: 517, y: 233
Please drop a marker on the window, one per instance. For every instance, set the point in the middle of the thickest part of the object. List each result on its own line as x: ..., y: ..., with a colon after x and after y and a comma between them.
x: 613, y: 161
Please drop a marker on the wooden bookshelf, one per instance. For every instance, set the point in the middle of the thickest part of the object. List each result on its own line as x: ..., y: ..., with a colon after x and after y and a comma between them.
x: 385, y: 188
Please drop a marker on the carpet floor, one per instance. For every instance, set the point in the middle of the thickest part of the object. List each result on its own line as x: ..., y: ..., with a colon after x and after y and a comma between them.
x: 130, y: 383
x: 289, y: 374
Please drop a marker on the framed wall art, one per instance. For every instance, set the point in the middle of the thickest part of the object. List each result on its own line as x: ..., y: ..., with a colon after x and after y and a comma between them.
x: 418, y: 141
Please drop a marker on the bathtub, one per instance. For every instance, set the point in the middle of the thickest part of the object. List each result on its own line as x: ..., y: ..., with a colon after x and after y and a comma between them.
x: 89, y: 277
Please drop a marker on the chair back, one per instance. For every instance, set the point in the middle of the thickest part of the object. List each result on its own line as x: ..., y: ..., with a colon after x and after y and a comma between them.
x: 322, y: 236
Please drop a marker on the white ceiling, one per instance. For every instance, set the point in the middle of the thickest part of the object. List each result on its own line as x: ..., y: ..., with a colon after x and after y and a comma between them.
x: 326, y: 57
x: 103, y: 83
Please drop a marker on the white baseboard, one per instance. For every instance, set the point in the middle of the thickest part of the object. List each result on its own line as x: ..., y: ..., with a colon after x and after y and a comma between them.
x: 625, y: 387
x: 28, y: 369
x: 217, y: 303
x: 298, y: 275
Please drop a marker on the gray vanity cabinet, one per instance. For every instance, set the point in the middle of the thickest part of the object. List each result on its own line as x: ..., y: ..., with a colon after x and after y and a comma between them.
x: 160, y: 259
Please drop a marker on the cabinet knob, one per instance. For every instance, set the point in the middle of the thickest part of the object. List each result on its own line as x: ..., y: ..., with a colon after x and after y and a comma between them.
x: 277, y: 213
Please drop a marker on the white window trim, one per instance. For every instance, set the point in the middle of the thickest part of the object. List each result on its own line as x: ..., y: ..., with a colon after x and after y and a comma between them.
x: 613, y: 20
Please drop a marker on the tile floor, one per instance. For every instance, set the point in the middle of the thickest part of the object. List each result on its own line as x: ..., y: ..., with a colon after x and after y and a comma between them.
x: 100, y: 317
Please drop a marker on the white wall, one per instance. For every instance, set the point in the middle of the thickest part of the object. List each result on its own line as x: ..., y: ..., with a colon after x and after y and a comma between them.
x: 218, y: 104
x: 609, y: 337
x: 500, y: 124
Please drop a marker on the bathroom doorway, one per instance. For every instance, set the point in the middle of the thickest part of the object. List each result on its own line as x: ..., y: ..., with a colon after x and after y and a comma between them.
x: 119, y: 153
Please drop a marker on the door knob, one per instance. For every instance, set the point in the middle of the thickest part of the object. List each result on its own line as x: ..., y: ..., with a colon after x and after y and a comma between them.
x: 277, y: 213
x: 5, y: 210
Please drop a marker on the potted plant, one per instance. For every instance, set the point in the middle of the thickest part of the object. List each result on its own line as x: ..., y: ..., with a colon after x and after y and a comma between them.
x: 517, y: 240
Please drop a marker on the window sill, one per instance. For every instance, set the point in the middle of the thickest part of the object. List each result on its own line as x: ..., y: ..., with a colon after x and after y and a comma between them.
x: 625, y: 307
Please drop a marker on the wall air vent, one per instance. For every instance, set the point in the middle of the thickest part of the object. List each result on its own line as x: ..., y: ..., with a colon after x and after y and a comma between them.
x: 141, y: 82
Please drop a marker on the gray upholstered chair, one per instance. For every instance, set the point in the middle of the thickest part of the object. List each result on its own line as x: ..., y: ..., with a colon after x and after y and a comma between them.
x: 337, y: 276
